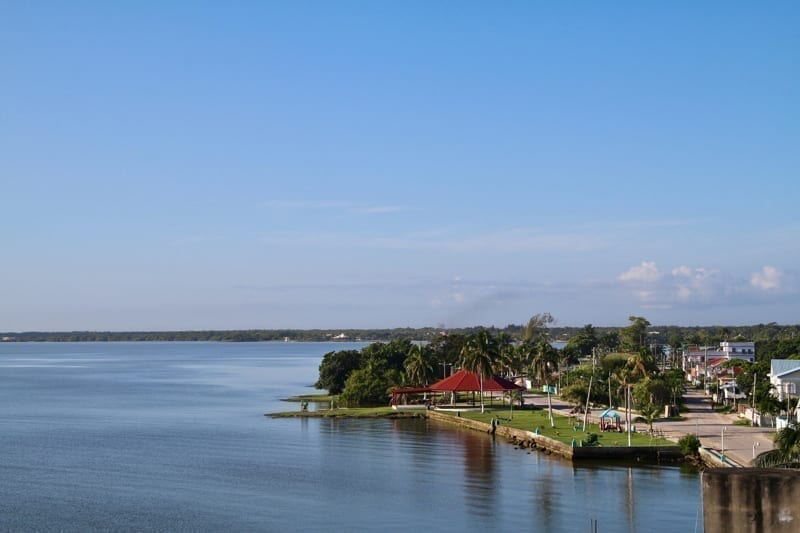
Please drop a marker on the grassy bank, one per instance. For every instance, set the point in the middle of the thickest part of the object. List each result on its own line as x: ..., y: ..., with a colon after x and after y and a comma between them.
x: 565, y: 427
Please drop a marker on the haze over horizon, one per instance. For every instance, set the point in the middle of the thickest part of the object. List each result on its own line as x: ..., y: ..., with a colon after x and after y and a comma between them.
x: 265, y: 165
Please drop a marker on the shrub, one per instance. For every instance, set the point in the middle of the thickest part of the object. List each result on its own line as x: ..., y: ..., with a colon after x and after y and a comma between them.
x: 689, y: 444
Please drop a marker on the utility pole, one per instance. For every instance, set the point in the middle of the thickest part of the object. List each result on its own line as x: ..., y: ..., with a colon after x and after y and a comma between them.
x: 588, y: 394
x: 628, y: 405
x: 753, y: 401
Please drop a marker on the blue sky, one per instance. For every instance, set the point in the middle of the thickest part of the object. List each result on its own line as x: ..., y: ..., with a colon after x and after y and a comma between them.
x: 195, y: 165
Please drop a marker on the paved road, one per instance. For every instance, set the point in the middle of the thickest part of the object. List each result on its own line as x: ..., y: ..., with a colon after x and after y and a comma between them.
x: 704, y: 422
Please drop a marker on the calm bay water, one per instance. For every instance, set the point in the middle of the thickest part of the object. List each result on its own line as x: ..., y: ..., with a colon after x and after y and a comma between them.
x: 171, y: 436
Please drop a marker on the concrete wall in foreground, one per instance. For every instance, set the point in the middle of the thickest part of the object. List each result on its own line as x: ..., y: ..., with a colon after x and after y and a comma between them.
x: 751, y: 500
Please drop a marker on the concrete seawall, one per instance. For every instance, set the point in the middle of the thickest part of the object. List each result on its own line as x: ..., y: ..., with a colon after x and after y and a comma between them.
x: 714, y: 459
x: 751, y: 500
x: 529, y: 439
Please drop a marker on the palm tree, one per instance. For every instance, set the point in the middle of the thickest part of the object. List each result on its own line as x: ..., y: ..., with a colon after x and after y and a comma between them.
x: 649, y: 414
x: 419, y: 365
x: 544, y: 363
x: 507, y: 354
x: 787, y: 451
x: 479, y: 355
x: 625, y: 376
x: 641, y: 364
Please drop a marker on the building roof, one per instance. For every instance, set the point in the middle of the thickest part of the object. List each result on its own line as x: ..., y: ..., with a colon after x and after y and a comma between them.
x: 780, y: 367
x: 464, y: 380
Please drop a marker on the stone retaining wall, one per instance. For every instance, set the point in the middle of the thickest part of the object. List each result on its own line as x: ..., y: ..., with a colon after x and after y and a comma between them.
x: 529, y: 439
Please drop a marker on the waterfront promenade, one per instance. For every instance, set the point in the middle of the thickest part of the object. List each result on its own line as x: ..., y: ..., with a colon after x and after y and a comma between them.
x: 739, y: 441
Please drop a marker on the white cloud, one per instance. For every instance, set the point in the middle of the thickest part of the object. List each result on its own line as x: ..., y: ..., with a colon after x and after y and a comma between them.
x: 682, y: 271
x: 458, y: 297
x: 689, y: 287
x: 767, y: 279
x: 697, y: 284
x: 647, y: 272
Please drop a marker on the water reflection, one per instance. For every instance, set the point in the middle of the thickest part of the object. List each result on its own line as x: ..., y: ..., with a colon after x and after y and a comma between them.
x: 631, y: 504
x: 479, y: 478
x: 545, y: 498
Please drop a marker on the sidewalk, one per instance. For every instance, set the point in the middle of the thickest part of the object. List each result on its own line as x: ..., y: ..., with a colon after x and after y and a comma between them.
x: 741, y: 442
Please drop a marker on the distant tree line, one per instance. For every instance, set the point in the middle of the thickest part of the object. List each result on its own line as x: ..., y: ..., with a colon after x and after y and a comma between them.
x: 645, y: 334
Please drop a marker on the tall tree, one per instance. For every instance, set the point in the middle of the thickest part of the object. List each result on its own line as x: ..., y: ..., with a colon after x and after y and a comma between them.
x: 545, y: 363
x: 634, y: 336
x: 641, y: 364
x: 626, y: 377
x: 393, y: 353
x: 536, y: 329
x: 335, y: 368
x: 507, y: 355
x: 608, y: 341
x: 480, y: 355
x: 419, y: 365
x: 369, y: 385
x: 584, y: 341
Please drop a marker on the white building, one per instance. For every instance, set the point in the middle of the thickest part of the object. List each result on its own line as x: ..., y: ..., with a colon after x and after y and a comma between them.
x: 739, y: 350
x: 784, y: 376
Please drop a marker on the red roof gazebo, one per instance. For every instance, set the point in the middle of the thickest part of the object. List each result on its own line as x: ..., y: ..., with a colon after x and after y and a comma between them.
x: 461, y: 381
x: 466, y: 381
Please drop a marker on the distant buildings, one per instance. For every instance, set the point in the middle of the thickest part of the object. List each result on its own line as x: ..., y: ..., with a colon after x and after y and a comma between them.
x: 704, y: 363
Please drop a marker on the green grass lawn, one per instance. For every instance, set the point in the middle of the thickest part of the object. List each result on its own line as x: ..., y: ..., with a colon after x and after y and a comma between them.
x: 564, y: 429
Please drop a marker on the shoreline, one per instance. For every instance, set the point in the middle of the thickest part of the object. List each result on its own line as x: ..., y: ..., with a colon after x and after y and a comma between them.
x: 524, y: 439
x: 700, y: 420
